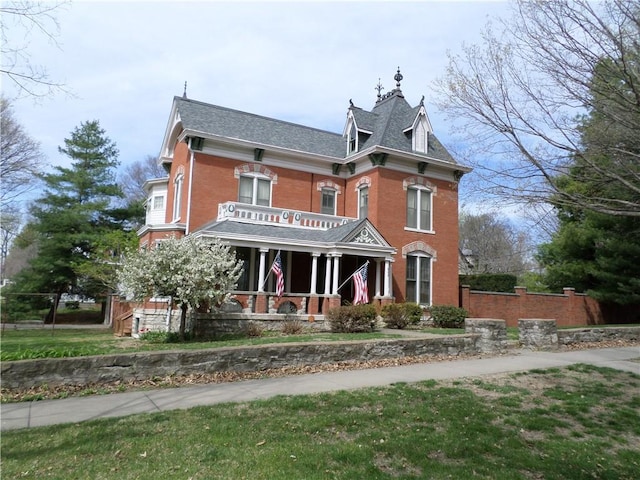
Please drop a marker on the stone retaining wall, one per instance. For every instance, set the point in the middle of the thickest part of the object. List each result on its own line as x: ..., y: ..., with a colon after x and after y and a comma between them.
x: 567, y: 337
x: 482, y: 336
x: 108, y: 368
x: 543, y: 334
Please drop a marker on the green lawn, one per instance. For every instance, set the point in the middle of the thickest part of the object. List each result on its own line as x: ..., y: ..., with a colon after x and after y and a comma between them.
x: 581, y: 422
x: 45, y: 343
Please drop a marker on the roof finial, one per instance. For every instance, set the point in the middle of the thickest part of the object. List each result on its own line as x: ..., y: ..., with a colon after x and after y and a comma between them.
x: 184, y: 94
x: 398, y: 78
x: 379, y: 88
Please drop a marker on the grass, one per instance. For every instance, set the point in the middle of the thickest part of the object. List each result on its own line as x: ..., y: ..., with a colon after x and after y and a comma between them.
x: 45, y: 343
x: 575, y: 423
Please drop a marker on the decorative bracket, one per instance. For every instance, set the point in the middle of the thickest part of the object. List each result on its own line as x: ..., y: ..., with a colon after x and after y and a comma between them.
x: 378, y: 159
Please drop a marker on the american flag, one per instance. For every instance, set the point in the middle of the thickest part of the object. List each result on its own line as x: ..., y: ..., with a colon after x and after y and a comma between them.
x: 277, y: 269
x: 360, y: 283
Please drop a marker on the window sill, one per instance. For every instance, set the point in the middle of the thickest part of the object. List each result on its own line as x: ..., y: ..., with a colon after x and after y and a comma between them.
x: 417, y: 230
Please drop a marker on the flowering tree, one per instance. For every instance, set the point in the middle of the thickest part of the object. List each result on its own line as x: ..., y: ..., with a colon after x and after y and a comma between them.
x: 189, y: 270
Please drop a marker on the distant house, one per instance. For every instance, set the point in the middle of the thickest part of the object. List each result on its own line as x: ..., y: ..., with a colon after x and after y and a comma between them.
x: 384, y: 193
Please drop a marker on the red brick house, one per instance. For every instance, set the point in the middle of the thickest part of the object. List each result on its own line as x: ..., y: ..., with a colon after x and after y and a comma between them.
x: 384, y: 191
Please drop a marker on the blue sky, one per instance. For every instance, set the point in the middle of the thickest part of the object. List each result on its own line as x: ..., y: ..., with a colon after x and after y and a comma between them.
x: 122, y: 62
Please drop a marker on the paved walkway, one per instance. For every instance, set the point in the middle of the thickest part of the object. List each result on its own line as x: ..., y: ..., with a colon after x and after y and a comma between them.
x: 79, y: 409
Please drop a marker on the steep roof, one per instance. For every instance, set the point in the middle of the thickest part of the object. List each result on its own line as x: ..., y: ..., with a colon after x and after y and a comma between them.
x: 229, y: 123
x: 388, y: 120
x: 384, y: 126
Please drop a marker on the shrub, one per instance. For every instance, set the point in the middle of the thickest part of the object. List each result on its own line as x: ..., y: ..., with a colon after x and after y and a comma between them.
x: 399, y: 315
x: 72, y: 305
x: 254, y: 329
x: 448, y: 316
x: 490, y: 282
x: 155, y: 337
x: 352, y: 318
x: 292, y: 327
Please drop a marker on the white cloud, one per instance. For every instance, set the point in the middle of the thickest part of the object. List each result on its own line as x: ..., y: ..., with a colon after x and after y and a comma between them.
x: 297, y: 61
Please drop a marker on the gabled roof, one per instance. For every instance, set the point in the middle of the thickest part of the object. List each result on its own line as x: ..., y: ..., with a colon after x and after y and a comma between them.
x: 225, y: 122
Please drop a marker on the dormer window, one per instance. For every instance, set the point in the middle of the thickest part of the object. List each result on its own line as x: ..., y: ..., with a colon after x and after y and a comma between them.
x: 419, y: 131
x: 420, y: 136
x: 352, y: 139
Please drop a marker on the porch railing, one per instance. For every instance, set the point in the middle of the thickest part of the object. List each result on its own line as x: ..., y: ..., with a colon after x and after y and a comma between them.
x: 260, y: 214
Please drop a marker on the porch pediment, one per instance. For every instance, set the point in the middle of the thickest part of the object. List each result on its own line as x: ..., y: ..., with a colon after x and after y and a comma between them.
x: 366, y: 234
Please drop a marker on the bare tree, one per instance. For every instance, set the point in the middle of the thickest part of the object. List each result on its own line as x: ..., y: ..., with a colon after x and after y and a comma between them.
x: 491, y: 244
x: 20, y: 157
x: 523, y: 97
x: 28, y: 18
x: 133, y: 177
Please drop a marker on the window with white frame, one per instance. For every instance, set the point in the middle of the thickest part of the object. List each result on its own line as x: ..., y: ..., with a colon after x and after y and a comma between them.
x: 255, y: 190
x: 158, y: 202
x: 419, y: 208
x: 418, y: 278
x: 363, y: 202
x: 177, y: 196
x: 328, y: 201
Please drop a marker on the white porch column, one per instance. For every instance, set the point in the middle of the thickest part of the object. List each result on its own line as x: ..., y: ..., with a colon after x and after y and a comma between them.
x: 378, y: 282
x: 263, y: 255
x: 336, y: 270
x: 314, y: 272
x: 287, y: 277
x: 327, y: 276
x: 387, y: 277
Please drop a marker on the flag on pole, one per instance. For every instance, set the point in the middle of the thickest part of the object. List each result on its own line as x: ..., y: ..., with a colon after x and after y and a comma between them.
x: 360, y: 284
x: 276, y: 268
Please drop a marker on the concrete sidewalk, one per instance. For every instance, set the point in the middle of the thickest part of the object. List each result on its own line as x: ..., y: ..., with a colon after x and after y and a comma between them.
x: 73, y: 410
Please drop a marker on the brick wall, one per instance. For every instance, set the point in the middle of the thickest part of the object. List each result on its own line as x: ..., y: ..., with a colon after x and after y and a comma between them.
x: 568, y: 309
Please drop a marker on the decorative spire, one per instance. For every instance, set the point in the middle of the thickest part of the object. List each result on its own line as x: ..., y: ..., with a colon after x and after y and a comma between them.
x: 379, y: 88
x: 184, y: 94
x: 398, y: 78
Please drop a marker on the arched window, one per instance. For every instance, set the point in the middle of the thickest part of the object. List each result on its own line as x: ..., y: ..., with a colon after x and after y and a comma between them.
x: 177, y: 196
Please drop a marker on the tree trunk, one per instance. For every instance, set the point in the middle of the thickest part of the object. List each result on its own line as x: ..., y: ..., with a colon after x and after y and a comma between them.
x: 183, y: 321
x: 53, y: 309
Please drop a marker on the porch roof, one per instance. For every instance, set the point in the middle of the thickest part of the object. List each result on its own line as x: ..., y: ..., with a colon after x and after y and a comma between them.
x: 358, y: 235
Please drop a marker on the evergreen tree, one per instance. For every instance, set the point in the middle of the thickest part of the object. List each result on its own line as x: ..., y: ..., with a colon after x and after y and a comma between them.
x: 74, y: 215
x: 595, y: 252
